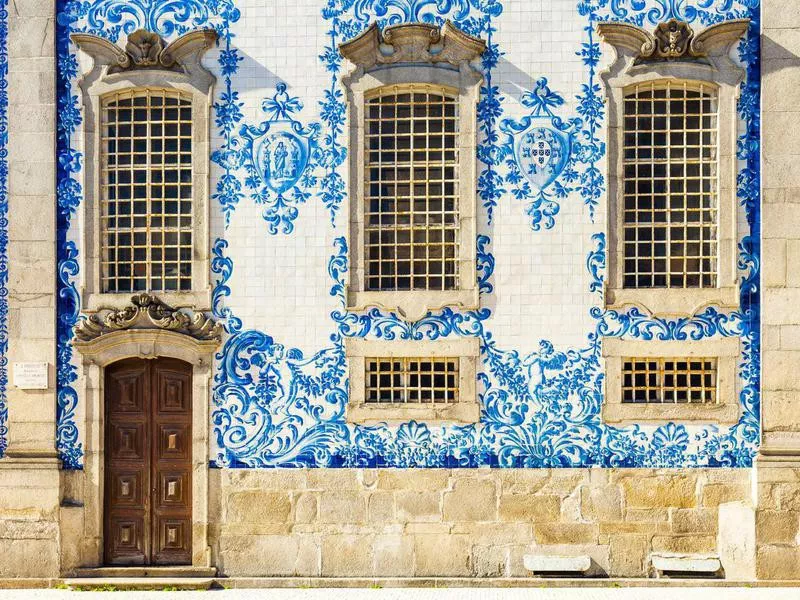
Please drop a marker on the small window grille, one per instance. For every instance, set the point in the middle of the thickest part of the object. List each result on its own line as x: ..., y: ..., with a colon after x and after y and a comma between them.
x: 146, y: 192
x: 669, y: 380
x: 412, y: 380
x: 411, y: 216
x: 670, y: 186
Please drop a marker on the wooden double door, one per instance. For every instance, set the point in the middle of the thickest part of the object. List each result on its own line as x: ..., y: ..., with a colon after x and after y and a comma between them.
x: 148, y: 458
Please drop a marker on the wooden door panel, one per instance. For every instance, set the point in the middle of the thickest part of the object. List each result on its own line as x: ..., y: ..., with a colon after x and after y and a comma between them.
x: 129, y: 389
x: 127, y: 472
x: 172, y: 465
x: 173, y: 489
x: 127, y: 490
x: 148, y: 516
x: 173, y: 396
x: 172, y: 540
x: 126, y: 541
x: 128, y: 441
x: 174, y: 445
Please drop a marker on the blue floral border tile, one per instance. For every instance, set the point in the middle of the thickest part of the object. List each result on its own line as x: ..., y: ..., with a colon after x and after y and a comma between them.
x: 275, y: 406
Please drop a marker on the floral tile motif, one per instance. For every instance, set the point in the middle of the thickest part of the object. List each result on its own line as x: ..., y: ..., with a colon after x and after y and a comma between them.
x: 274, y: 405
x: 3, y: 224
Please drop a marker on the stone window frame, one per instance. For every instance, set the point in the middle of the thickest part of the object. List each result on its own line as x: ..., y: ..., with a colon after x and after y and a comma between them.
x: 639, y: 58
x: 402, y: 55
x: 174, y: 67
x: 466, y: 410
x: 725, y: 411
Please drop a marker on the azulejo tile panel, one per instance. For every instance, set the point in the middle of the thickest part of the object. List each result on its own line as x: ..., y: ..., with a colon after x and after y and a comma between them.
x: 540, y: 149
x: 3, y: 224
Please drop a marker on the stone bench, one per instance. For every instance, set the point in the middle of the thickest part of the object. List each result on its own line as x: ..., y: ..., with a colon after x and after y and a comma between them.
x: 540, y: 564
x: 686, y: 565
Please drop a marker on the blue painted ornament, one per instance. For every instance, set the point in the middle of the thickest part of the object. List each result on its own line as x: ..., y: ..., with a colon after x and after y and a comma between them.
x: 542, y: 142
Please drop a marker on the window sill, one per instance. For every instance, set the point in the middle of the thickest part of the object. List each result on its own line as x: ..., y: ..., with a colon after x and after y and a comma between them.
x: 375, y: 413
x: 630, y: 414
x: 199, y: 301
x: 666, y: 301
x: 413, y: 305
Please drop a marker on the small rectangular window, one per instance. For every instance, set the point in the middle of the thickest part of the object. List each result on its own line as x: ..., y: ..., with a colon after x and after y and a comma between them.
x: 670, y: 186
x: 420, y: 380
x: 146, y: 192
x: 669, y: 380
x: 412, y: 380
x: 411, y: 214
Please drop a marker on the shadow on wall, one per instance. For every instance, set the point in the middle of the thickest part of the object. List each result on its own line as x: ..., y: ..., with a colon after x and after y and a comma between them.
x: 776, y: 57
x: 251, y: 75
x: 513, y: 82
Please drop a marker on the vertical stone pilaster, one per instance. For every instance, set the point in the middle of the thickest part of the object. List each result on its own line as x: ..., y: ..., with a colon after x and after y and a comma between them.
x: 778, y: 466
x: 29, y: 473
x: 32, y: 222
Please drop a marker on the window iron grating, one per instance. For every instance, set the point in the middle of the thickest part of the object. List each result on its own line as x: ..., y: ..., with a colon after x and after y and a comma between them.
x: 146, y: 191
x: 412, y: 380
x: 411, y: 200
x: 670, y: 186
x: 669, y: 381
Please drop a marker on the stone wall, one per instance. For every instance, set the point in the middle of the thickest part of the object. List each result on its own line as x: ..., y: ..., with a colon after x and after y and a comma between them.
x: 439, y: 522
x: 29, y: 475
x: 778, y: 521
x: 778, y: 473
x: 29, y: 514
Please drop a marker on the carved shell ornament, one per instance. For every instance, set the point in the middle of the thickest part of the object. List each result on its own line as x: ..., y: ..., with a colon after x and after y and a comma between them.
x: 148, y: 312
x: 146, y: 49
x: 674, y: 40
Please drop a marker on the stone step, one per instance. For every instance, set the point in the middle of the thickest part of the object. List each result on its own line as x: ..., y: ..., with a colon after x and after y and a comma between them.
x: 698, y: 565
x: 128, y: 572
x: 557, y: 565
x: 139, y: 583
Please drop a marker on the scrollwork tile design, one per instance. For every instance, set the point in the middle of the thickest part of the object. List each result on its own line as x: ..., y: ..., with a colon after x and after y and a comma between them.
x: 280, y: 156
x: 108, y: 18
x: 274, y: 405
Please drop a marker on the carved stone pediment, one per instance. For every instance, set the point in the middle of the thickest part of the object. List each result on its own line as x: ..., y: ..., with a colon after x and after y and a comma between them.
x: 673, y: 40
x: 148, y: 312
x: 146, y: 50
x: 412, y: 43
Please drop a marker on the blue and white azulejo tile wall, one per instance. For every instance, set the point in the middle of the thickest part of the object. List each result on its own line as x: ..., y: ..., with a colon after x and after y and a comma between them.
x: 3, y: 222
x: 280, y: 247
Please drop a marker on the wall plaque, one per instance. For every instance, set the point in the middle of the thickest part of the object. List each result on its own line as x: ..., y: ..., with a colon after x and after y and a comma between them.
x: 31, y: 375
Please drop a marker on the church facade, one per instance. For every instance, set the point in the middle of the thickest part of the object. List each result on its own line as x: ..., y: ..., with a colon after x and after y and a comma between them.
x: 399, y: 288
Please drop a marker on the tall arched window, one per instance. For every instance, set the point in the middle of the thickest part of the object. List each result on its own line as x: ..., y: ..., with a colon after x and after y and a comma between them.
x: 411, y: 201
x: 146, y: 191
x: 672, y: 217
x: 412, y: 100
x: 146, y: 141
x: 670, y: 187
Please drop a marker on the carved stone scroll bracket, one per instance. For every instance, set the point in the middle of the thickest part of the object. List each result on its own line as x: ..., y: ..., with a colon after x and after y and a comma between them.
x: 148, y: 312
x: 412, y: 43
x: 674, y: 40
x: 146, y: 50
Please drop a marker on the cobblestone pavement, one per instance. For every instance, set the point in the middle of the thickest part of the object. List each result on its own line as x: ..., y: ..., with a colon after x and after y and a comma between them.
x: 661, y: 593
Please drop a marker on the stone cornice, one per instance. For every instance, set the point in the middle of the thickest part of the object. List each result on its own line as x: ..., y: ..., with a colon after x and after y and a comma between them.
x: 148, y: 312
x: 673, y: 40
x: 146, y: 50
x: 412, y: 43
